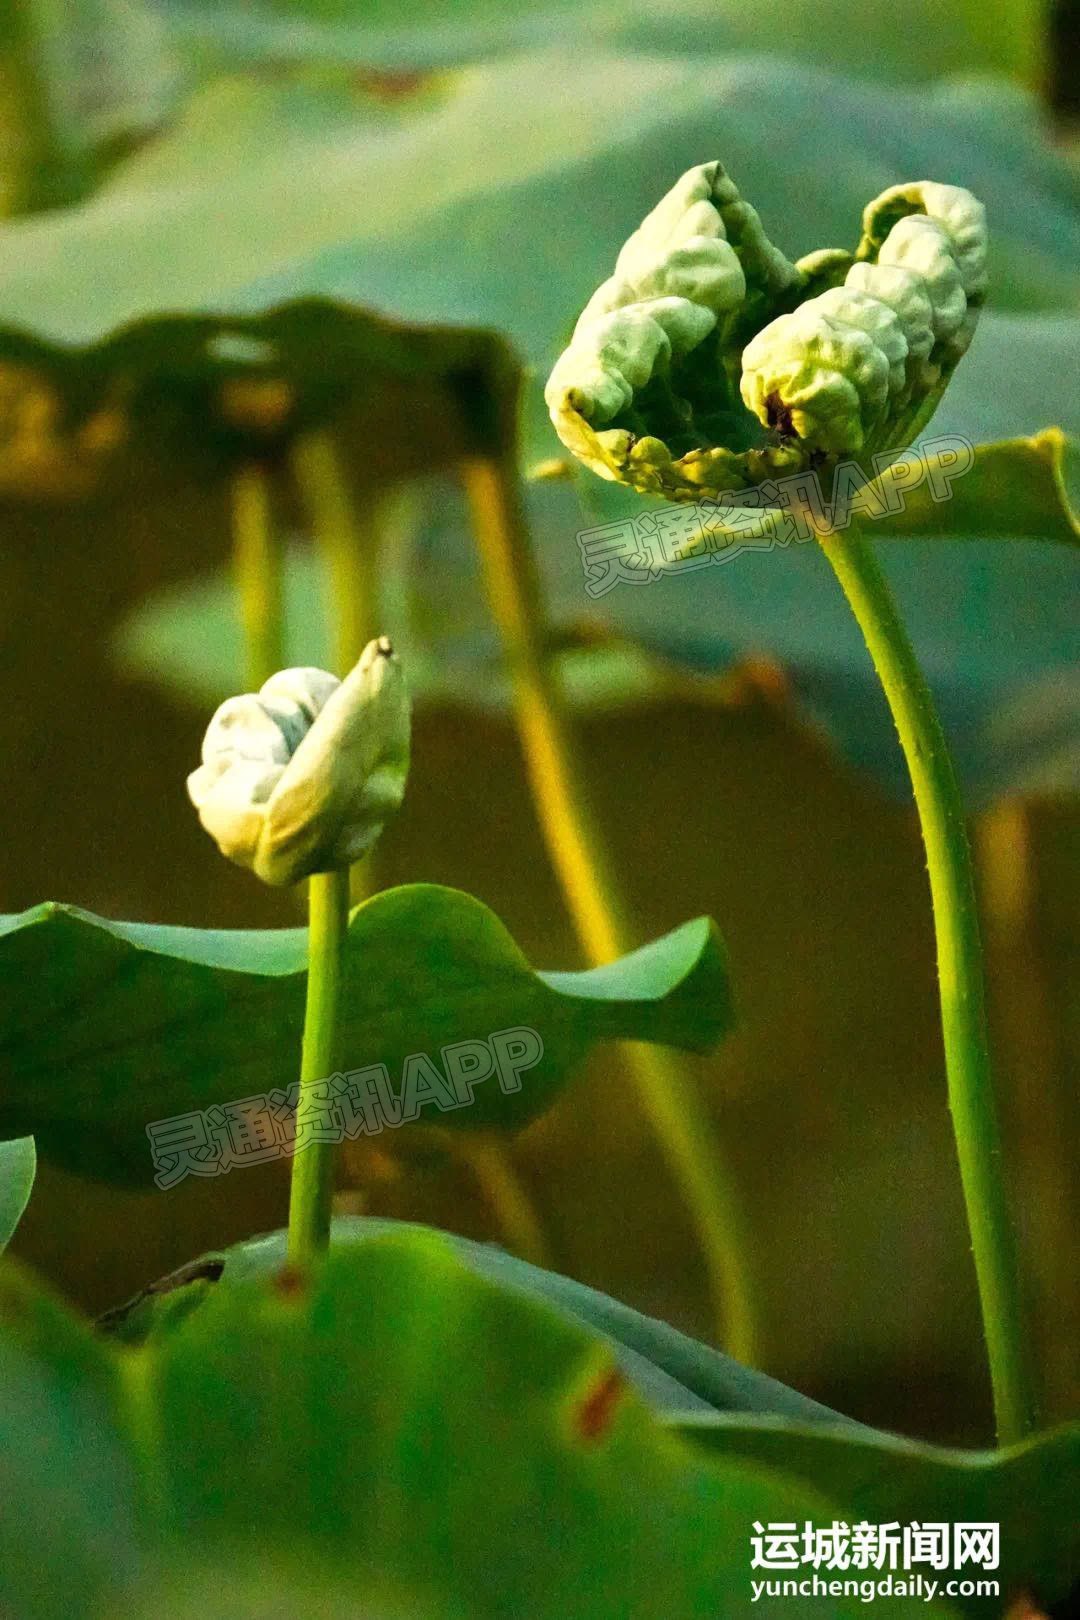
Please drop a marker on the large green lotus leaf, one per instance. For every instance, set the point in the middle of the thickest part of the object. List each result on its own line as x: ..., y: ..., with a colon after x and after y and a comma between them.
x: 1030, y: 1490
x: 676, y: 1374
x: 911, y: 40
x: 18, y: 1165
x: 68, y: 1485
x: 127, y: 1024
x: 499, y: 201
x: 421, y: 1437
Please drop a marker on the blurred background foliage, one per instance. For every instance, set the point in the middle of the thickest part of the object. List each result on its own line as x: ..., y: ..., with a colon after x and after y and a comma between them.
x: 479, y: 165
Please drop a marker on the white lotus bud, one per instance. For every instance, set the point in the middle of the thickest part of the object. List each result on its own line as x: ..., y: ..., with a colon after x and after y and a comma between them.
x: 763, y: 263
x: 910, y: 302
x: 301, y: 776
x: 690, y: 208
x: 849, y: 306
x: 865, y: 355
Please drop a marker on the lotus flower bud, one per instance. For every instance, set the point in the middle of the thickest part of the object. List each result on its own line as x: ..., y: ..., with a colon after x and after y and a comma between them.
x: 300, y: 776
x: 918, y: 245
x: 705, y: 319
x: 904, y: 293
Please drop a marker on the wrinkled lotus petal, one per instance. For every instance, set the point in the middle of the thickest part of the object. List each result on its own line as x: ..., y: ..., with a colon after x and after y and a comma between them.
x: 300, y: 776
x: 691, y: 263
x: 923, y: 267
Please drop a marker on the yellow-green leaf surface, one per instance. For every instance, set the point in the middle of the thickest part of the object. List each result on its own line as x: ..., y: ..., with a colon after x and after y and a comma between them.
x: 495, y: 202
x: 912, y: 39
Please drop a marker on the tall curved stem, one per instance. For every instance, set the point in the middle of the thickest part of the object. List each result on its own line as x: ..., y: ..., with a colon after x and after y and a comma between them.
x: 960, y: 971
x: 347, y: 540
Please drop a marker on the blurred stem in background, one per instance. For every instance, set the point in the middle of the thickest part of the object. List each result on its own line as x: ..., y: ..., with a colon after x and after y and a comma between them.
x: 347, y: 539
x: 1027, y: 1026
x: 349, y: 542
x: 671, y: 1101
x: 490, y: 1162
x: 346, y: 542
x: 32, y: 152
x: 257, y: 570
x: 311, y: 1192
x: 960, y: 972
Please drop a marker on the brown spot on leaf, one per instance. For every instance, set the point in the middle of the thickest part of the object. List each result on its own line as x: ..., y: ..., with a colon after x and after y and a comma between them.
x: 290, y: 1282
x: 390, y: 84
x: 594, y: 1414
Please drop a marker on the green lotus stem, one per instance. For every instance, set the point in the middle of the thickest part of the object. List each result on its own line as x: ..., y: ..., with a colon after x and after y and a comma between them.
x: 347, y: 541
x: 673, y: 1105
x: 960, y: 972
x: 312, y: 1188
x: 257, y: 571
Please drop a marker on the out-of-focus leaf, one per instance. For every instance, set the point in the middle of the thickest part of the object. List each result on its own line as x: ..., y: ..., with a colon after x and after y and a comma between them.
x: 505, y: 199
x: 674, y: 1373
x: 187, y: 396
x: 1017, y: 489
x: 911, y: 40
x: 128, y: 1024
x: 68, y: 1491
x: 77, y: 79
x: 1030, y: 1490
x: 534, y: 169
x: 393, y: 1420
x: 18, y: 1165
